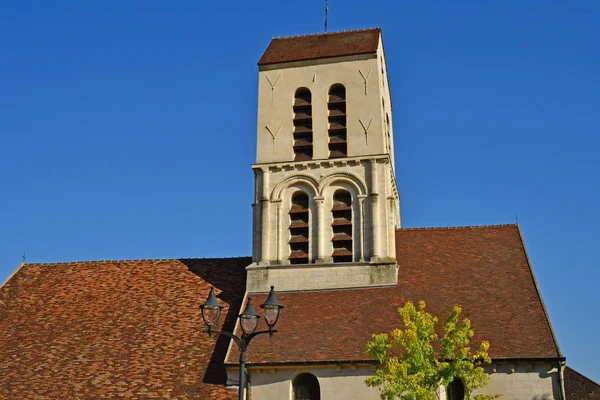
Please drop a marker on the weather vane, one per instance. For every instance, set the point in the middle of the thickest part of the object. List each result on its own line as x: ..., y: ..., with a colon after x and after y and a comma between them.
x: 24, y: 258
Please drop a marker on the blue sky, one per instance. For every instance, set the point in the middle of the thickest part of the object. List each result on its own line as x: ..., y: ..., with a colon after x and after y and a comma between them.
x: 127, y: 129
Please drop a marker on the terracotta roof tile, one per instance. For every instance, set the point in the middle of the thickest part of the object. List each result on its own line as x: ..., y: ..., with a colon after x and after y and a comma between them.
x: 484, y: 269
x: 129, y: 329
x: 134, y: 328
x: 580, y: 387
x: 309, y: 47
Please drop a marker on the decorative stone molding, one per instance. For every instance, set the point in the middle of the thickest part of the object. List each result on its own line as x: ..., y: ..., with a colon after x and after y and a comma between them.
x: 349, y: 177
x: 296, y: 178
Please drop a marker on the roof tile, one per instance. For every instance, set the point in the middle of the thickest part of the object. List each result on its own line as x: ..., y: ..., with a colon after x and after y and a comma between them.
x: 484, y: 269
x: 309, y: 47
x: 127, y: 328
x: 580, y: 387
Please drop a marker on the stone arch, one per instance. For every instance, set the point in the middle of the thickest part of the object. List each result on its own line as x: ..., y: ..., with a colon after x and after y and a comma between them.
x: 347, y: 177
x: 305, y: 179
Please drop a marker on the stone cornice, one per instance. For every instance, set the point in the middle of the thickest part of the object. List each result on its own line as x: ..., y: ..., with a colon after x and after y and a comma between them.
x: 323, y: 163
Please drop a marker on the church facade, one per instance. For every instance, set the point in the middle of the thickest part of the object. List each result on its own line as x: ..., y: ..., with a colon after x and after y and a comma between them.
x: 326, y: 233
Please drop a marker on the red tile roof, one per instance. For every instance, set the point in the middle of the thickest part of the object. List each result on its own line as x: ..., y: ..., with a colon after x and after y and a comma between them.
x: 134, y: 328
x: 580, y: 387
x: 484, y: 269
x: 128, y: 329
x: 322, y: 45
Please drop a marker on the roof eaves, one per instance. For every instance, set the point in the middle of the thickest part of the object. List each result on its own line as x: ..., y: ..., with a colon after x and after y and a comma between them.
x: 372, y: 361
x: 349, y: 54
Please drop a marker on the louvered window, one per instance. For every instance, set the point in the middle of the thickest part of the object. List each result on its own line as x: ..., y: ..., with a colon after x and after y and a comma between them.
x: 299, y: 223
x: 342, y: 226
x: 336, y: 105
x: 303, y: 134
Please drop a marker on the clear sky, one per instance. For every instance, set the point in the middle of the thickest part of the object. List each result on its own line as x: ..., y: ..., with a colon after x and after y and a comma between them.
x: 127, y: 129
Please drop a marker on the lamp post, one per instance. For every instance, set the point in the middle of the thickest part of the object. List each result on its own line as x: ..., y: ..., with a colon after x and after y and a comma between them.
x: 211, y: 311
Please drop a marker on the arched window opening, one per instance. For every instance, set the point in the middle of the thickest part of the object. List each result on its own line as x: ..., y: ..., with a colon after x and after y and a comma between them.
x: 336, y: 105
x: 342, y: 226
x: 299, y: 239
x: 303, y: 135
x: 306, y: 387
x: 456, y: 390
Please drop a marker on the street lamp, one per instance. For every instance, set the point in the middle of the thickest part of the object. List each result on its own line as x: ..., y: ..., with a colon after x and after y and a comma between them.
x: 211, y: 311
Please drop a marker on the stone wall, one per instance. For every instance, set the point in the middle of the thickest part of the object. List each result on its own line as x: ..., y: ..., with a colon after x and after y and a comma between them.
x: 521, y: 381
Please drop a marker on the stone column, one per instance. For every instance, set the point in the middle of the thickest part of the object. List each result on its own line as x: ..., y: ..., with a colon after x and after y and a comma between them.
x: 362, y: 228
x: 320, y: 233
x: 279, y: 240
x: 375, y: 226
x: 265, y: 220
x: 375, y: 219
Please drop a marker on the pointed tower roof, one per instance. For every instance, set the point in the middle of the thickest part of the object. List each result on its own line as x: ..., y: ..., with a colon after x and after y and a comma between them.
x: 323, y: 45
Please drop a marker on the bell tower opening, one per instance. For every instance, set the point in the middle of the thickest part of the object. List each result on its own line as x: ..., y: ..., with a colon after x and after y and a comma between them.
x: 303, y: 137
x: 336, y: 106
x: 299, y: 229
x: 342, y: 227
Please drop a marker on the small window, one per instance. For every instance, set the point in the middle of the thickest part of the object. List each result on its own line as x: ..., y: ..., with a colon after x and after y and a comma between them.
x: 306, y: 387
x: 336, y: 105
x: 342, y: 226
x: 299, y: 218
x: 456, y: 390
x: 303, y: 135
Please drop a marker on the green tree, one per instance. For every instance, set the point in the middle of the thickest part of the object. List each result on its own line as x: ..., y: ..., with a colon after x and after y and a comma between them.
x: 411, y: 369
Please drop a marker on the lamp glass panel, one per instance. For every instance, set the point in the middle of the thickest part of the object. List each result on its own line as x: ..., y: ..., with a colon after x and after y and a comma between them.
x: 211, y: 315
x: 271, y: 315
x: 249, y: 323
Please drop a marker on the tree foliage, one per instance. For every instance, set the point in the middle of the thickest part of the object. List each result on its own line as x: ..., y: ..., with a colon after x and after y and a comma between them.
x: 411, y: 369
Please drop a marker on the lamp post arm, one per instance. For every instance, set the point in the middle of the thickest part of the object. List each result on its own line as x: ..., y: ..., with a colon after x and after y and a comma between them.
x: 248, y: 338
x: 228, y: 334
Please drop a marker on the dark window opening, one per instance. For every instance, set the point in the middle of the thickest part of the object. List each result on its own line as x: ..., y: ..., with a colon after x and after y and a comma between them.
x: 299, y: 223
x: 336, y: 105
x: 306, y: 387
x: 303, y: 135
x: 456, y: 390
x: 342, y: 226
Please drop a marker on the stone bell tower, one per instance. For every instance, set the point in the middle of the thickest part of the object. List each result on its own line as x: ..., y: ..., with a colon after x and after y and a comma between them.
x: 326, y: 205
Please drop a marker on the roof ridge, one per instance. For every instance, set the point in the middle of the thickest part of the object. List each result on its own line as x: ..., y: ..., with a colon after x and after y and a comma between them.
x: 131, y: 260
x: 326, y: 33
x: 425, y: 228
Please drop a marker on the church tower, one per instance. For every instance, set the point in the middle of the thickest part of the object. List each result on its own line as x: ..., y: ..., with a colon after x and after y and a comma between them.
x: 326, y: 204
